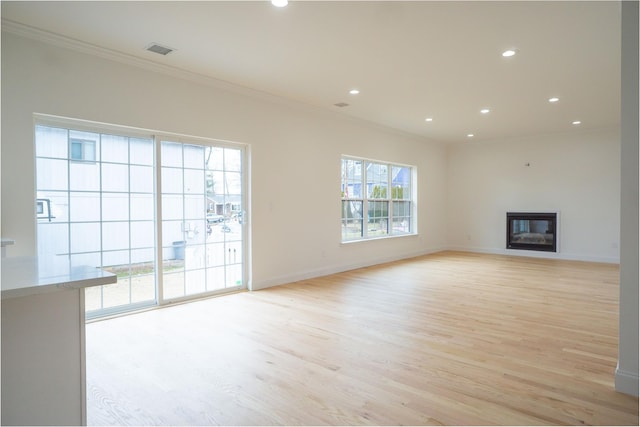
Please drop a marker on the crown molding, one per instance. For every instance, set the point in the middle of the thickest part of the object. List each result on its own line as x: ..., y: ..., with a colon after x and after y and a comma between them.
x: 113, y: 55
x: 86, y: 48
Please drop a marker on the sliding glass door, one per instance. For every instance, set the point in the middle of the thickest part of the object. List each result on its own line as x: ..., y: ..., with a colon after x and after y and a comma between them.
x: 168, y: 236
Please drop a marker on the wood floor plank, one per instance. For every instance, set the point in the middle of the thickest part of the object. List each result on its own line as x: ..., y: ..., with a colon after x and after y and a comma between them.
x: 447, y: 339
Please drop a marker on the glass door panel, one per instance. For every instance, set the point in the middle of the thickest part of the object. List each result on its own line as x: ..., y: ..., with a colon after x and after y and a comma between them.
x: 95, y: 206
x: 202, y: 227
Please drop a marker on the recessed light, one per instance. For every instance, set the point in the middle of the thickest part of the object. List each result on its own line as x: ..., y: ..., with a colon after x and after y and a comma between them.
x: 354, y: 91
x: 485, y: 111
x: 554, y: 99
x: 279, y: 3
x: 428, y: 119
x: 576, y: 122
x: 469, y: 135
x: 509, y: 52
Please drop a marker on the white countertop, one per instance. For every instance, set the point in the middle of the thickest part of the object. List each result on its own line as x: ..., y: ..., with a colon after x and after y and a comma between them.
x: 23, y: 276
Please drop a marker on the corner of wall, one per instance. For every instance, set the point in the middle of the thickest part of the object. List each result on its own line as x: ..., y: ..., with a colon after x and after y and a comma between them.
x: 627, y: 382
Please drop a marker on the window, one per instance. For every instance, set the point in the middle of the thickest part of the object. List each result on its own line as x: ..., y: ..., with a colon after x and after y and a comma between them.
x: 377, y: 199
x: 43, y: 209
x: 82, y: 150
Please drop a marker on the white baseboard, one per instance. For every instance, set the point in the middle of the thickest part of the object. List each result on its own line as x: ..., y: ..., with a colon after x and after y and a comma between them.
x: 333, y: 269
x: 537, y: 254
x: 627, y: 382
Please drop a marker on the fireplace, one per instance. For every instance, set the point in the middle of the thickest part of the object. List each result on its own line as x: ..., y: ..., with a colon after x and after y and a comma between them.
x: 532, y: 231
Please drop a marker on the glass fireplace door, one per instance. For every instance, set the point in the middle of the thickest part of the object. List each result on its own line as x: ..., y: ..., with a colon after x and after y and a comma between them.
x: 532, y: 231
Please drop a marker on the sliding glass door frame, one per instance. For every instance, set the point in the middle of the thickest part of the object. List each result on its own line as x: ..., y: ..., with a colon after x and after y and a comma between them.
x: 159, y: 138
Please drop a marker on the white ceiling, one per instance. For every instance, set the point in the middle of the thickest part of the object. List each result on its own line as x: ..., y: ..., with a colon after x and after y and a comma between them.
x: 410, y: 60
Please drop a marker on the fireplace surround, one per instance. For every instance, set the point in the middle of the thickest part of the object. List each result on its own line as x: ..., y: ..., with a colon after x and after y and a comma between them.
x: 534, y: 231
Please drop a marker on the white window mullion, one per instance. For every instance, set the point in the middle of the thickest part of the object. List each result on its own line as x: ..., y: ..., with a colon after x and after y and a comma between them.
x: 69, y: 196
x: 225, y: 248
x: 206, y: 221
x: 157, y: 182
x: 365, y: 201
x: 184, y: 222
x: 129, y: 250
x: 99, y: 163
x: 389, y: 199
x: 244, y: 204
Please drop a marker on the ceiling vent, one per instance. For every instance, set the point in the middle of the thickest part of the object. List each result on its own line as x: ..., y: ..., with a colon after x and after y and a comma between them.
x: 341, y: 104
x: 156, y: 48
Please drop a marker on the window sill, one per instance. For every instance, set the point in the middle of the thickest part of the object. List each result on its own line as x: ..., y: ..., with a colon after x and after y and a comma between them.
x: 370, y: 239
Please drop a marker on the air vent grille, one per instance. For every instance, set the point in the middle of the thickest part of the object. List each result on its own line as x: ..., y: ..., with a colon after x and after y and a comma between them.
x: 156, y: 48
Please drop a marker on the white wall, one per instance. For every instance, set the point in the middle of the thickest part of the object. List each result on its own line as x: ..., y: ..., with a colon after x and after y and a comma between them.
x: 575, y: 174
x: 295, y: 154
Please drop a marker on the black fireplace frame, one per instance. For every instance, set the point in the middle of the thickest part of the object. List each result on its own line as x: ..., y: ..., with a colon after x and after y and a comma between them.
x: 542, y: 216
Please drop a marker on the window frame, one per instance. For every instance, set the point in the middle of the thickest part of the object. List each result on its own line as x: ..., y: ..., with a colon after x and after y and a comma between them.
x: 381, y: 193
x: 84, y: 152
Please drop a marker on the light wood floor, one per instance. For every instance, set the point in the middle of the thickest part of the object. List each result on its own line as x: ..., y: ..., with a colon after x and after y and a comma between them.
x: 451, y: 338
